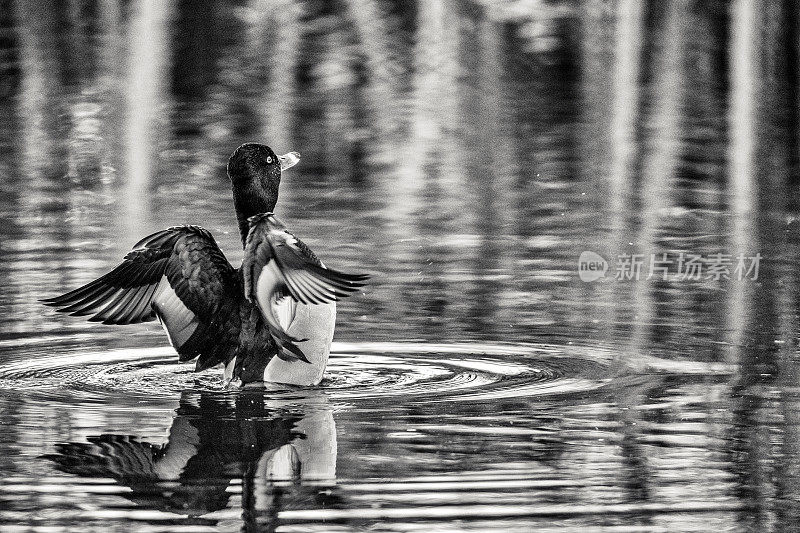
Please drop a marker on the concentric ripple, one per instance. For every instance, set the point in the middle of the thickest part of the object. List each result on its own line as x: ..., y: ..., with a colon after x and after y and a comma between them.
x: 356, y: 371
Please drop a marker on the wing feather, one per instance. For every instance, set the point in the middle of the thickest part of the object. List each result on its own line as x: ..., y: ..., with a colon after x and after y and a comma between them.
x: 301, y: 290
x: 178, y: 275
x: 125, y: 308
x: 143, y: 311
x: 309, y: 289
x: 92, y: 303
x: 277, y: 264
x: 118, y: 306
x: 311, y: 281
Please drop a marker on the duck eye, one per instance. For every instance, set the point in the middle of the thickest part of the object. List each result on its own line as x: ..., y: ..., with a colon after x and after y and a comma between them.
x: 269, y: 159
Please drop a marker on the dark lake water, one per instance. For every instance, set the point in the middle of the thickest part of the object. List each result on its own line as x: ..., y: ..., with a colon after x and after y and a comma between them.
x: 466, y: 154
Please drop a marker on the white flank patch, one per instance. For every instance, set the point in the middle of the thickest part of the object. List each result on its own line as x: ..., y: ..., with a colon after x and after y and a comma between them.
x: 178, y: 321
x: 315, y: 323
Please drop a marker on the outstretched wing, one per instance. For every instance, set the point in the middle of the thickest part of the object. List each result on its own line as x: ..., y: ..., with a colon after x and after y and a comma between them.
x: 154, y: 473
x: 277, y: 264
x: 178, y: 275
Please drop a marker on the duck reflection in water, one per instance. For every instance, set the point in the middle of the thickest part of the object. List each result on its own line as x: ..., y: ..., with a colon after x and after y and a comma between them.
x: 284, y: 453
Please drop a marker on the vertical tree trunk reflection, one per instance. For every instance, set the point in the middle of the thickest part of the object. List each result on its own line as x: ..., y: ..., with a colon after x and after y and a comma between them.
x: 147, y: 64
x: 660, y: 163
x: 625, y: 116
x: 742, y: 122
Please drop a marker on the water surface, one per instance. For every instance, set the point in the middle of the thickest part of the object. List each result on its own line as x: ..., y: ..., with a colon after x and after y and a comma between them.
x: 465, y: 154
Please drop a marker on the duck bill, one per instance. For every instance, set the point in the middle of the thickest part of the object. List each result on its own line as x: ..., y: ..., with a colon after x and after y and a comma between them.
x: 289, y: 160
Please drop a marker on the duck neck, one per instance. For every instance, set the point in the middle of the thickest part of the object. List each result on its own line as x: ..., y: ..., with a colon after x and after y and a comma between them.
x: 248, y: 205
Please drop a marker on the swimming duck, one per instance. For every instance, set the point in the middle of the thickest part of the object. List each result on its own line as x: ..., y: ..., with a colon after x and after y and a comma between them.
x: 272, y: 319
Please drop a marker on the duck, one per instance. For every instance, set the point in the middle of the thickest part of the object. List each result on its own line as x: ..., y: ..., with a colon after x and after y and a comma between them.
x: 270, y: 320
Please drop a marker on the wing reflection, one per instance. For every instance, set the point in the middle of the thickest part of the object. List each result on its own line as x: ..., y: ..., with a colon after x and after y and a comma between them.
x: 284, y: 454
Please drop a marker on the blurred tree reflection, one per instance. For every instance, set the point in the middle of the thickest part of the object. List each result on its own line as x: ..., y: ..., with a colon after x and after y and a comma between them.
x: 467, y: 151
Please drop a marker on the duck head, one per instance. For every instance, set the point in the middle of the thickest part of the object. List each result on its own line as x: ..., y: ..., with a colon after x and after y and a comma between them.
x: 255, y: 174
